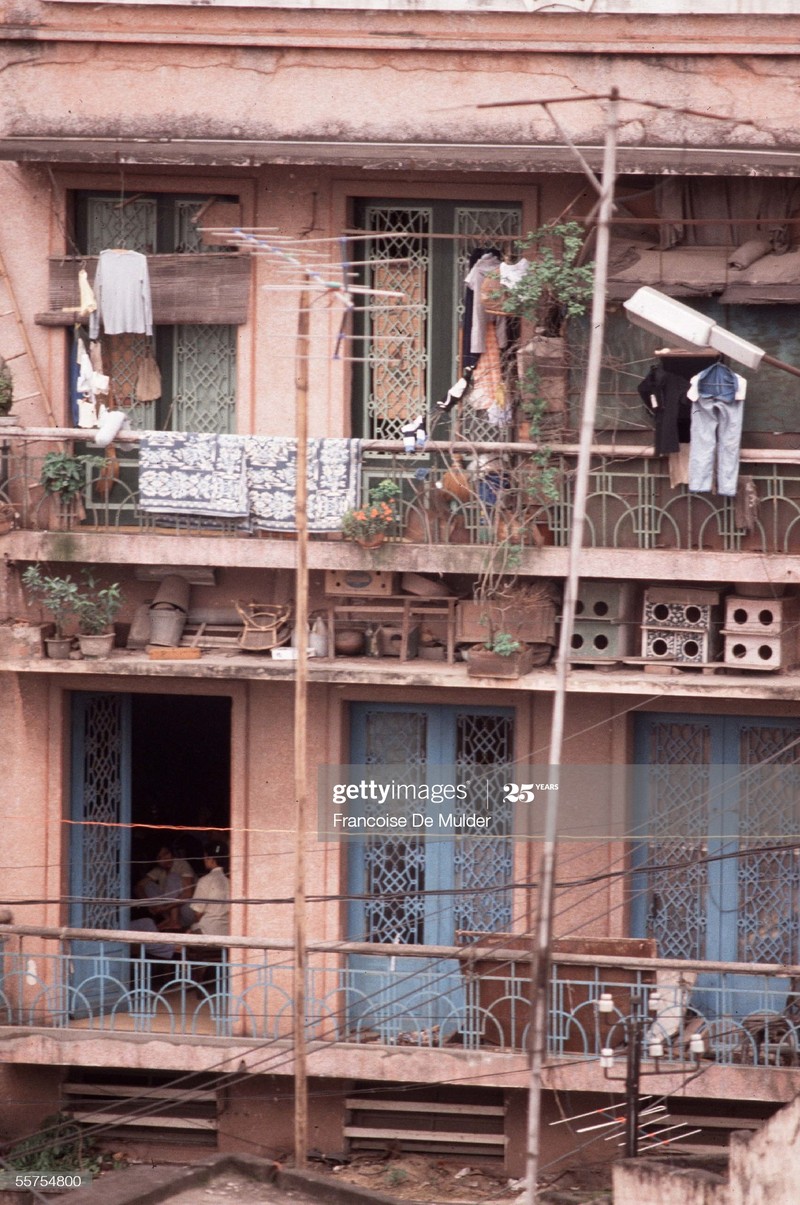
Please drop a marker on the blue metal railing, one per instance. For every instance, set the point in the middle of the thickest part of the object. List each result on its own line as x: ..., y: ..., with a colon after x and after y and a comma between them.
x: 445, y: 996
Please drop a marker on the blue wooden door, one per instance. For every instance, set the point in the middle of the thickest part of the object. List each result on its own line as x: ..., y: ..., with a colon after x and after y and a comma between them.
x: 718, y: 879
x: 412, y: 889
x: 100, y: 810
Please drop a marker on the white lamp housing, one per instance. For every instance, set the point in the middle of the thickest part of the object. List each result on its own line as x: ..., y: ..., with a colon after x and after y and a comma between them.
x: 606, y: 1003
x: 656, y: 1049
x: 606, y: 1058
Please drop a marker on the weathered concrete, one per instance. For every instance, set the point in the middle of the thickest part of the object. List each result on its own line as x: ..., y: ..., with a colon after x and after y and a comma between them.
x: 148, y: 1186
x: 762, y: 1170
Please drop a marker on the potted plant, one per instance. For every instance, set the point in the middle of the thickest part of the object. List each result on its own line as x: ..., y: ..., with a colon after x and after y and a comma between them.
x: 369, y: 524
x: 64, y: 477
x: 65, y: 474
x: 501, y: 656
x: 59, y: 595
x: 96, y: 608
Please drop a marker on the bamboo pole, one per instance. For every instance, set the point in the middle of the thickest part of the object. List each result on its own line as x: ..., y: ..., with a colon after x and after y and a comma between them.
x: 300, y: 738
x: 544, y: 927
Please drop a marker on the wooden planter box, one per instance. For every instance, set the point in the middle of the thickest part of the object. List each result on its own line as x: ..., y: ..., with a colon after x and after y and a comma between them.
x: 483, y: 663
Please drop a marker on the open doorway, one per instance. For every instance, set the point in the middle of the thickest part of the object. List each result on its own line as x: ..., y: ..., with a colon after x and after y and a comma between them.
x: 180, y: 776
x: 138, y: 761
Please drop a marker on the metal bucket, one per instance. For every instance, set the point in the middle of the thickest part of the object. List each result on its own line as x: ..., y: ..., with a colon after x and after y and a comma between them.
x: 168, y: 611
x: 166, y: 624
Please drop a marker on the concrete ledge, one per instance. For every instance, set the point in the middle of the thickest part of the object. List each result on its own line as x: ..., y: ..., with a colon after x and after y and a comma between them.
x: 150, y: 1185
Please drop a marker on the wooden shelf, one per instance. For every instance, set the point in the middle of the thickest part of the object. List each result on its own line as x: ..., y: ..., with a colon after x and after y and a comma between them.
x: 405, y: 608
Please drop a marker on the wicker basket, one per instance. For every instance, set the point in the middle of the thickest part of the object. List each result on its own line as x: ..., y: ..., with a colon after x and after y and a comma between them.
x: 265, y: 626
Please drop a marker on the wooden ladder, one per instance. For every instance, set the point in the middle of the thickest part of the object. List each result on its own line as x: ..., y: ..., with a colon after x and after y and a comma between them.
x: 17, y: 350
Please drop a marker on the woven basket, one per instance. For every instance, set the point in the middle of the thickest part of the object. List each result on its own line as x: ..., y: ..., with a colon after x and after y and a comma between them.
x: 266, y: 625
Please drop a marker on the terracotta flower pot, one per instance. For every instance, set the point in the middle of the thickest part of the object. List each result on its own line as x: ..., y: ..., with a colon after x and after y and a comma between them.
x: 373, y: 541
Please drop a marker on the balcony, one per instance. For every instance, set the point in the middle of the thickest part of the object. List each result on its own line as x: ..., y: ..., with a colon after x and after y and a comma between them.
x: 446, y: 503
x: 387, y: 1011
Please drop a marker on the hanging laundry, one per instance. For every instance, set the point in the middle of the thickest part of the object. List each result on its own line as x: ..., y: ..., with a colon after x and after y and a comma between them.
x: 414, y: 434
x: 664, y: 394
x: 87, y: 385
x: 717, y: 396
x: 678, y: 463
x: 122, y: 292
x: 482, y: 262
x: 148, y: 380
x: 456, y: 391
x: 88, y: 304
x: 488, y: 388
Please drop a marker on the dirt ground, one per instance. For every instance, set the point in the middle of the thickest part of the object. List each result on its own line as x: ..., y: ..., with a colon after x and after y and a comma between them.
x: 431, y: 1181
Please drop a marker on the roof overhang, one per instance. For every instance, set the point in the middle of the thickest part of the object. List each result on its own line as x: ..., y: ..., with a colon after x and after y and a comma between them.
x: 394, y: 156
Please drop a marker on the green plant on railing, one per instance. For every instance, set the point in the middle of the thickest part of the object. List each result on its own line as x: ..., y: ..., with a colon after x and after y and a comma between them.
x: 59, y: 595
x: 375, y: 518
x: 66, y: 474
x: 59, y: 1146
x: 556, y: 286
x: 543, y: 475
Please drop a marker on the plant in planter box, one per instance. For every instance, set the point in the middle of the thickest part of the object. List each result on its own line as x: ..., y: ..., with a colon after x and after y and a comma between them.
x: 59, y: 596
x: 503, y: 644
x: 501, y: 656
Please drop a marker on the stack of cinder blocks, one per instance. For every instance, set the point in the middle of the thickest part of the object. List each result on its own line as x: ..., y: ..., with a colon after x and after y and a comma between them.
x: 761, y: 633
x: 604, y: 621
x: 680, y: 625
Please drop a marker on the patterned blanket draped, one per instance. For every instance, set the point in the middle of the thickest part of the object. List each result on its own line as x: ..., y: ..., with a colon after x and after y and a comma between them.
x: 334, y: 479
x: 185, y: 473
x: 249, y: 477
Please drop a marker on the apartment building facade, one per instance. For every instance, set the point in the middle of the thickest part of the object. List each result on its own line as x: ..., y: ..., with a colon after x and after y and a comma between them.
x: 369, y: 139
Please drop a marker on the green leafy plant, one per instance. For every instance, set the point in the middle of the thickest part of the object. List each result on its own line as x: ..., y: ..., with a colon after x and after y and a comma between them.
x: 59, y: 595
x: 503, y: 644
x: 376, y: 516
x: 59, y: 1146
x: 65, y: 474
x: 395, y: 1176
x: 94, y: 607
x: 555, y: 286
x: 97, y: 607
x: 6, y: 387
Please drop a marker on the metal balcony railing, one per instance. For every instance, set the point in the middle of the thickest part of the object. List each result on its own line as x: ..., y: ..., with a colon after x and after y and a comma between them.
x: 504, y: 495
x: 123, y: 982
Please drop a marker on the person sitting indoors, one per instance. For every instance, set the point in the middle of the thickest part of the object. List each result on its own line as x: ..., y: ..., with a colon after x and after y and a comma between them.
x: 211, y: 903
x: 166, y: 885
x: 211, y: 908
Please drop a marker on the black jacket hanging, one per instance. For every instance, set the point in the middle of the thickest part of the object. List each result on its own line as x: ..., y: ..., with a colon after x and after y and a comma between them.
x: 672, y: 408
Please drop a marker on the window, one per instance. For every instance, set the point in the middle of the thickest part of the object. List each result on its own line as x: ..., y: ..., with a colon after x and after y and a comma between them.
x: 410, y: 346
x: 197, y: 360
